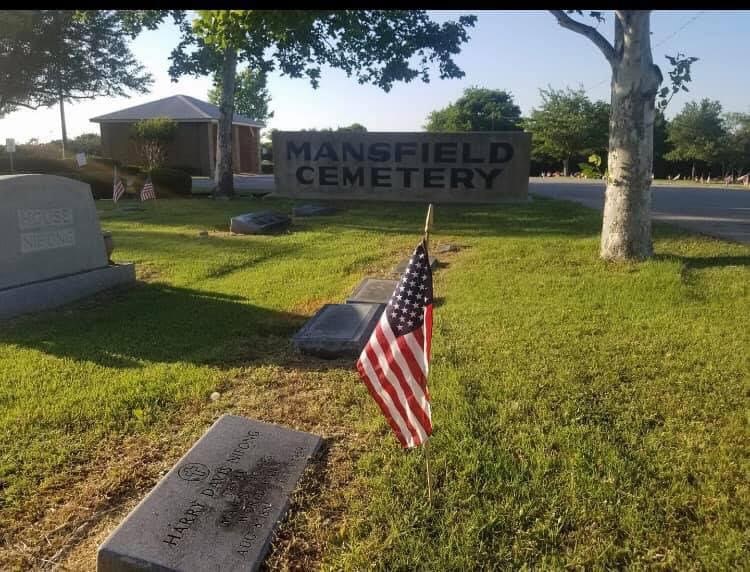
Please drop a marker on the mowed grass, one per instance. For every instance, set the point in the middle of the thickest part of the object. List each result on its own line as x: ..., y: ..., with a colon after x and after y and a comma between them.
x: 586, y: 414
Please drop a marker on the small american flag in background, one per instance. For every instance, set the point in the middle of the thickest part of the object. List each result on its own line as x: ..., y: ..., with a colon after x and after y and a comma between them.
x: 148, y: 191
x: 119, y: 189
x: 395, y: 362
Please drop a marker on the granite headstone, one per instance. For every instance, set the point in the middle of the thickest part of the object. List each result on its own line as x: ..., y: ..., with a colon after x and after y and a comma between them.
x: 218, y: 507
x: 262, y: 222
x: 52, y: 249
x: 338, y: 330
x: 48, y: 228
x: 373, y: 290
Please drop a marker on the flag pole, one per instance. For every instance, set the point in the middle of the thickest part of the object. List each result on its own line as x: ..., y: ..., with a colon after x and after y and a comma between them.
x: 427, y: 462
x: 427, y: 230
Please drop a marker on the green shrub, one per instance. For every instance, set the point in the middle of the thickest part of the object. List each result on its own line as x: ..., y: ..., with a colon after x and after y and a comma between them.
x: 100, y: 188
x: 591, y: 170
x: 266, y: 167
x: 190, y: 170
x: 172, y: 180
x: 152, y: 137
x: 89, y: 143
x: 39, y: 150
x: 28, y: 164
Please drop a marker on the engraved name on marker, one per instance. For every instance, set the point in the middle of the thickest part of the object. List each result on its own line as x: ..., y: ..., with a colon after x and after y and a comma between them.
x: 43, y: 218
x: 40, y: 219
x: 47, y: 240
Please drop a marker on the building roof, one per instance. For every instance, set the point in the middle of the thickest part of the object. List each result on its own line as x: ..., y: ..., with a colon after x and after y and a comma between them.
x: 178, y: 107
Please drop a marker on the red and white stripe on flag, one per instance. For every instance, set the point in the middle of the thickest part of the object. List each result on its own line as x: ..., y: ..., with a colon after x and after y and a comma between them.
x: 395, y: 362
x: 148, y: 191
x: 118, y: 190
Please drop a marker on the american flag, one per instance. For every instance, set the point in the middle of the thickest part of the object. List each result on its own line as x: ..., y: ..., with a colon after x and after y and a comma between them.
x: 148, y: 191
x: 395, y: 362
x: 119, y: 189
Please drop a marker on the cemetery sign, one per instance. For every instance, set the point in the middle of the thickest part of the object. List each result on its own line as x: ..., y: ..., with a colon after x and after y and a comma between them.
x: 475, y: 167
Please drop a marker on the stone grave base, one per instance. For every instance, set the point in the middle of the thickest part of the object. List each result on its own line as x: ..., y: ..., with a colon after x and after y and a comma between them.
x: 52, y: 293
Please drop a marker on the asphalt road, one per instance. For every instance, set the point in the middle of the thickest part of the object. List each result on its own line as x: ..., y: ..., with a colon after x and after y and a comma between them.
x: 723, y: 213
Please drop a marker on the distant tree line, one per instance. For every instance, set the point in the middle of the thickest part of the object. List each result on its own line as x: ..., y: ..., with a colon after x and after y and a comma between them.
x: 266, y: 145
x: 570, y: 133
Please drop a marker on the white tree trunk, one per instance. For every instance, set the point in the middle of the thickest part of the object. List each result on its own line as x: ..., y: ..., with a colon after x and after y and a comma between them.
x: 224, y: 178
x: 626, y: 225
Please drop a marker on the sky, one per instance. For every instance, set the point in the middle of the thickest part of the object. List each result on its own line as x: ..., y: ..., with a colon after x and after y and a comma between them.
x: 517, y: 51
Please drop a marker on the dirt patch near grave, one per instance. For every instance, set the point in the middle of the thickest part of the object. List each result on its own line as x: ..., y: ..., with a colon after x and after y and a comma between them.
x: 62, y: 527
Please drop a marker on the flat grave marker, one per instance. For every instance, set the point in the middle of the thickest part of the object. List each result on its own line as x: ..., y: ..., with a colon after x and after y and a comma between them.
x: 400, y: 268
x: 443, y: 248
x: 262, y: 222
x: 373, y: 290
x: 338, y: 330
x: 218, y: 507
x: 313, y: 210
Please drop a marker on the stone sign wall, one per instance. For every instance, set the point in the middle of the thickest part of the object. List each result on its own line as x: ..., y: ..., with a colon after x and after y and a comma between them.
x: 48, y: 228
x: 435, y: 167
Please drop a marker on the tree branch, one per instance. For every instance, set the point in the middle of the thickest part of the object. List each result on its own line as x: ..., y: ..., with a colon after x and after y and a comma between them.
x: 10, y: 102
x: 591, y: 33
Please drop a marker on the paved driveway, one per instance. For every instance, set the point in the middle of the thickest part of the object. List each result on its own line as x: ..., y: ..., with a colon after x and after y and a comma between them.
x: 724, y: 213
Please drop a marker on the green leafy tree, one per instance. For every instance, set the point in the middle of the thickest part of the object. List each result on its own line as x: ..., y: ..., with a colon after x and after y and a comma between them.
x: 661, y: 145
x: 266, y: 145
x: 251, y: 97
x: 89, y: 143
x: 697, y: 133
x: 72, y: 56
x: 22, y: 64
x: 377, y: 47
x: 567, y: 125
x: 152, y: 137
x: 353, y: 128
x: 635, y: 85
x: 735, y: 151
x: 478, y: 109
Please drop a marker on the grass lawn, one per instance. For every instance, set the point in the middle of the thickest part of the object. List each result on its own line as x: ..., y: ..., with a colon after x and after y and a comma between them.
x: 587, y: 415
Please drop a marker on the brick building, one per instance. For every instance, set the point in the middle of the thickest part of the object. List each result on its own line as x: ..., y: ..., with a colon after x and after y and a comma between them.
x: 194, y: 146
